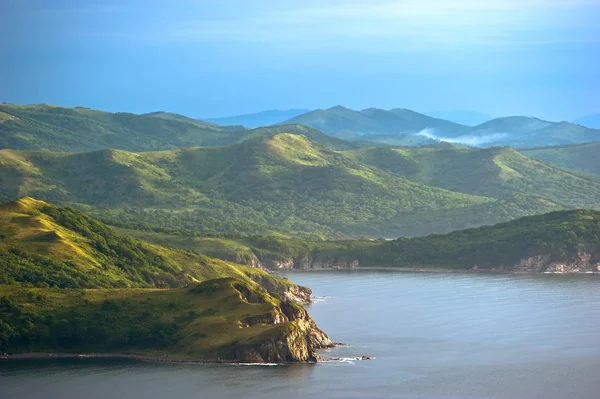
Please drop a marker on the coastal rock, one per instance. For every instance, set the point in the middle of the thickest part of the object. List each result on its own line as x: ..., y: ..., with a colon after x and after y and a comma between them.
x: 581, y: 262
x: 308, y: 263
x: 292, y: 292
x: 296, y: 341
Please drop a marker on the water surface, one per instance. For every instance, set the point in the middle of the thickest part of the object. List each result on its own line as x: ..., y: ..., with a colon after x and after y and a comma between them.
x: 431, y: 336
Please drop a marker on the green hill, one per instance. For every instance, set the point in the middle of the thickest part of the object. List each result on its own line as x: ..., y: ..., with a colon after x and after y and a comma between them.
x: 581, y: 157
x: 47, y: 246
x: 284, y: 184
x: 263, y: 185
x: 53, y: 128
x: 498, y: 172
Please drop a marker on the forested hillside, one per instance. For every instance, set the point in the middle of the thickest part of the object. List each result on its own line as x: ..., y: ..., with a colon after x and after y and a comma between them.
x: 286, y: 184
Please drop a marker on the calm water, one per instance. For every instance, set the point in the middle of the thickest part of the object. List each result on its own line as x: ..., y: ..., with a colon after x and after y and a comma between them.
x: 432, y: 336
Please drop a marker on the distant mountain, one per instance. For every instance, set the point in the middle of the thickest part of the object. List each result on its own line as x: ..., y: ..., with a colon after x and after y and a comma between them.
x: 583, y: 157
x: 348, y: 124
x: 467, y: 118
x: 405, y: 127
x: 264, y: 118
x: 520, y: 132
x: 591, y: 121
x: 285, y: 184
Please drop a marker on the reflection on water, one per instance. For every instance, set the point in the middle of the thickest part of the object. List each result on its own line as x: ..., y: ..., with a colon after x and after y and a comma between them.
x: 431, y: 336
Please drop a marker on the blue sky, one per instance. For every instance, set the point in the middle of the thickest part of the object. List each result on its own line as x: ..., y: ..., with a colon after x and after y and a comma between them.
x: 217, y: 58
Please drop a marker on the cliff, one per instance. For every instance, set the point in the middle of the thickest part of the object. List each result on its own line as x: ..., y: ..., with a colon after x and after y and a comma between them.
x: 295, y: 341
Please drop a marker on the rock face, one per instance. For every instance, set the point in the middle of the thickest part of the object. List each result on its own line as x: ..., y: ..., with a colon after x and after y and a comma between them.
x: 294, y: 293
x: 582, y: 262
x: 296, y: 341
x: 308, y: 264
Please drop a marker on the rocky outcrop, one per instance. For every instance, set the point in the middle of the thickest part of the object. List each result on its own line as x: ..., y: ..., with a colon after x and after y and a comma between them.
x: 582, y: 262
x: 296, y: 340
x: 309, y: 264
x: 287, y: 292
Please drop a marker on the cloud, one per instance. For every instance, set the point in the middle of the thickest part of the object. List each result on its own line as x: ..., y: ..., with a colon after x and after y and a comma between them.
x: 475, y: 141
x: 409, y: 25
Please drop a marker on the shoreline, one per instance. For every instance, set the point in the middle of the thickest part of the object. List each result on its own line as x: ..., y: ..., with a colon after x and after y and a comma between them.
x: 429, y: 270
x: 148, y: 358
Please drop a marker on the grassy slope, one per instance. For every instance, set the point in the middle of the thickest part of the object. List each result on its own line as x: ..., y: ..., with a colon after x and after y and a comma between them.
x: 44, y: 245
x: 581, y: 157
x: 204, y: 322
x: 280, y: 183
x: 81, y: 129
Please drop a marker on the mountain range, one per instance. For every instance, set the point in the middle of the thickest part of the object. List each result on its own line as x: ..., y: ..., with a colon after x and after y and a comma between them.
x: 405, y: 127
x: 81, y: 129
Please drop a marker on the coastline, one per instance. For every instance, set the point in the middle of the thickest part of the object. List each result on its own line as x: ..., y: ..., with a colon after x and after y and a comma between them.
x: 427, y: 270
x: 148, y: 358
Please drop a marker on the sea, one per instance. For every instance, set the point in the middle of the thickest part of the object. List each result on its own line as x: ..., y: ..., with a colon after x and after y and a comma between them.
x: 428, y: 335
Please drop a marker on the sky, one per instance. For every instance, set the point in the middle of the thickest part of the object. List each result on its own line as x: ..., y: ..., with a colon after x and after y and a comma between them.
x: 211, y: 58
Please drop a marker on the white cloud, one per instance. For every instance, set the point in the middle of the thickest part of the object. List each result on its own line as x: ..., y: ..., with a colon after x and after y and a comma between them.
x: 466, y: 139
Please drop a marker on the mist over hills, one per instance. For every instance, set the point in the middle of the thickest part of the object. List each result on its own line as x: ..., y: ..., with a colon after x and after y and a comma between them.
x: 405, y: 127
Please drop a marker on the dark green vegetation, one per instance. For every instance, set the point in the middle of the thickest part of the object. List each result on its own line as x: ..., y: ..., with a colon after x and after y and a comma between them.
x: 288, y: 185
x: 52, y: 128
x: 565, y: 237
x: 582, y: 157
x: 564, y: 241
x: 223, y: 319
